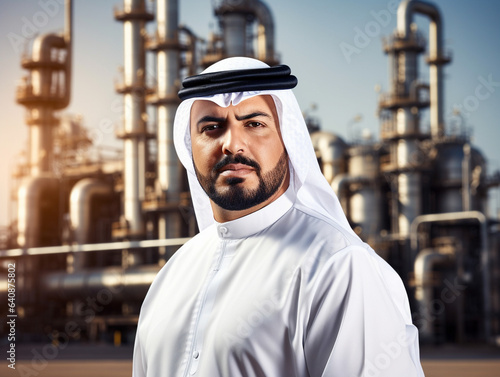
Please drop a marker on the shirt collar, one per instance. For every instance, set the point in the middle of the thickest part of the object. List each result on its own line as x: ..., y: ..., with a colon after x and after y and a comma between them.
x: 256, y: 221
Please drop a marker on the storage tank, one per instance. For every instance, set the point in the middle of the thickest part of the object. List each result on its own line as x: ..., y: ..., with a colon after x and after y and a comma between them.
x: 457, y: 165
x: 330, y: 151
x: 365, y: 203
x: 360, y: 191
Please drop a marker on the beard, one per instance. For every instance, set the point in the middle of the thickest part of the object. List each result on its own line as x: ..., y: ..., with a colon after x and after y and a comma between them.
x: 235, y: 197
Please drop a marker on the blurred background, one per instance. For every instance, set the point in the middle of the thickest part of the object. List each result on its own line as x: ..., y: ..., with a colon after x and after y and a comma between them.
x: 402, y: 104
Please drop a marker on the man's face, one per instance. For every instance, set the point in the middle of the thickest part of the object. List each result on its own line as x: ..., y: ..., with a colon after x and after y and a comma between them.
x: 238, y: 153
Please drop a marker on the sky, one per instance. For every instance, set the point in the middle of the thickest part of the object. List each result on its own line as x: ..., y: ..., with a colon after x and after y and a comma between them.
x: 334, y: 48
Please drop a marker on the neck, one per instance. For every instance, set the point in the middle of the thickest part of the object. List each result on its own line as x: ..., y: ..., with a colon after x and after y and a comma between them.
x: 222, y: 215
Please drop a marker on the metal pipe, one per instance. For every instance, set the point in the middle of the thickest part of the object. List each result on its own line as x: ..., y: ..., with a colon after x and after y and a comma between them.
x: 407, y: 122
x: 116, y: 283
x: 134, y: 146
x: 340, y: 182
x: 169, y: 182
x: 41, y: 76
x: 190, y: 57
x: 81, y: 207
x: 406, y: 10
x: 424, y: 264
x: 40, y: 140
x: 265, y: 33
x: 68, y: 42
x: 108, y: 246
x: 485, y: 257
x: 40, y: 112
x: 134, y: 124
x: 339, y: 185
x: 466, y: 176
x: 168, y: 77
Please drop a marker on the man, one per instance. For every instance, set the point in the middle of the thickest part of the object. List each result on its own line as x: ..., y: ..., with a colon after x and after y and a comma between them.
x: 276, y: 283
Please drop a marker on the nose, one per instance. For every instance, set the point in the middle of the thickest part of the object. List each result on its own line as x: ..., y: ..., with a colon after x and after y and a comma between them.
x: 233, y: 140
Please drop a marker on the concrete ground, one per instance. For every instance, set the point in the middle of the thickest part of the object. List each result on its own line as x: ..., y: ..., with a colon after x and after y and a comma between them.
x: 123, y: 368
x: 77, y: 360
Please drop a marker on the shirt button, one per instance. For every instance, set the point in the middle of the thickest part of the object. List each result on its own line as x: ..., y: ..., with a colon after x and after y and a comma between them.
x: 196, y: 354
x: 223, y: 231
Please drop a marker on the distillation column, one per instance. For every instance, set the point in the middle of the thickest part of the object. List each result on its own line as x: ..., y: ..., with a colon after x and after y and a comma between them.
x: 405, y: 88
x: 169, y: 180
x: 436, y: 57
x: 403, y: 104
x: 134, y: 134
x: 46, y: 89
x: 235, y: 19
x: 265, y: 33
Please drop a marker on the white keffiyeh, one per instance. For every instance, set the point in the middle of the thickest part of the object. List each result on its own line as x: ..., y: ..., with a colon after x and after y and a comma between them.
x: 311, y: 188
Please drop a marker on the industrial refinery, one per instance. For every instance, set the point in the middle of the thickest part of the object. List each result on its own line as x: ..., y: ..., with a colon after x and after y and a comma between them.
x: 89, y: 234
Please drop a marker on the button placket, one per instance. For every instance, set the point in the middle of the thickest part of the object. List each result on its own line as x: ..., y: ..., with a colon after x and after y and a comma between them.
x: 206, y: 303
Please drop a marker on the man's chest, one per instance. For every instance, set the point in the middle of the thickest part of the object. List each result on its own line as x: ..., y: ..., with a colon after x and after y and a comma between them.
x: 244, y: 297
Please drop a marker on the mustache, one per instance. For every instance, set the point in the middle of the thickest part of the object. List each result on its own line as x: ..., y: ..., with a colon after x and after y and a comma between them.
x: 237, y: 159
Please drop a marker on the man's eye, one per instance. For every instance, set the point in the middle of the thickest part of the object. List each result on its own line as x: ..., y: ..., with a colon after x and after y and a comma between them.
x: 210, y: 127
x: 254, y: 124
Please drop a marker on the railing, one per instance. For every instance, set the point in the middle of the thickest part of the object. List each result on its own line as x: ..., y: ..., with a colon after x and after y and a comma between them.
x: 93, y: 247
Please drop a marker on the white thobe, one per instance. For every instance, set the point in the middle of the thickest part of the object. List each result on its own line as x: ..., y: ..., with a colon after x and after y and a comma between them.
x: 281, y: 292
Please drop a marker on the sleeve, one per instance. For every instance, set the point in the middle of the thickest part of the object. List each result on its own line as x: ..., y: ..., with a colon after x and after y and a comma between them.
x: 359, y: 322
x: 138, y: 363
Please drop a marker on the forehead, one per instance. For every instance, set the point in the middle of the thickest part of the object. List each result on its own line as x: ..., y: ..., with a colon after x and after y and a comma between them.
x: 261, y: 103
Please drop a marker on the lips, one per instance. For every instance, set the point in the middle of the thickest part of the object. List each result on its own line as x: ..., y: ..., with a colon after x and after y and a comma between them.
x: 235, y: 170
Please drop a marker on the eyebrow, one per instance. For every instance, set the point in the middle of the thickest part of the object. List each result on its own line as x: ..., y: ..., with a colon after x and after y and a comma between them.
x: 252, y: 115
x: 209, y: 118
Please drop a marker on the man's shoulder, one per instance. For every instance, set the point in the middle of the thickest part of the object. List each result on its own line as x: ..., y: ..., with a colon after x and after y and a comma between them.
x: 321, y: 220
x: 312, y: 222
